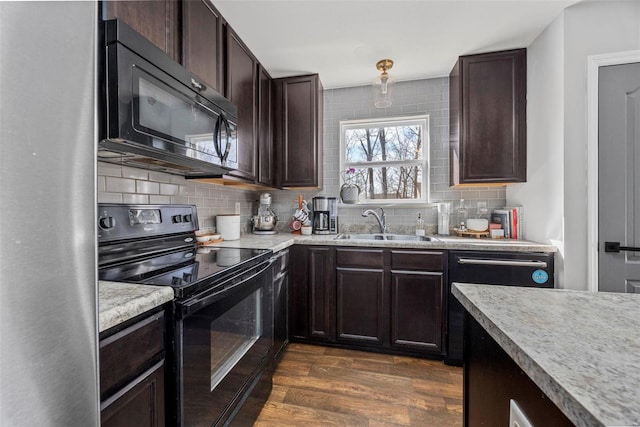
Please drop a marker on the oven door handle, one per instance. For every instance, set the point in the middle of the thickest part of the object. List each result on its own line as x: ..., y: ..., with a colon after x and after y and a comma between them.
x: 503, y: 262
x: 190, y: 306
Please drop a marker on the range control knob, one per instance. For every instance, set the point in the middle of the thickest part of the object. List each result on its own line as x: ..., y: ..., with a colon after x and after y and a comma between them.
x: 186, y: 218
x: 106, y: 222
x: 176, y: 219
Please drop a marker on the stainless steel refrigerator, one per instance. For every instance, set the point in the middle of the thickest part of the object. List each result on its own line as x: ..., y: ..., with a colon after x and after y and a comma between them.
x: 48, y: 321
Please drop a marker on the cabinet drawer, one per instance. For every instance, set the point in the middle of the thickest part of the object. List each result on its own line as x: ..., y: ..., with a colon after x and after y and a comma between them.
x: 417, y: 260
x: 128, y: 353
x: 360, y: 258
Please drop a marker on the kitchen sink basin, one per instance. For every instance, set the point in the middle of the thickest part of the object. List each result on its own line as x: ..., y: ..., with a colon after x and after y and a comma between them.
x: 388, y: 237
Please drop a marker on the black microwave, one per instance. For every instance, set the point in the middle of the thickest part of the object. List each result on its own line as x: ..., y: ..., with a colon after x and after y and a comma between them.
x: 157, y: 115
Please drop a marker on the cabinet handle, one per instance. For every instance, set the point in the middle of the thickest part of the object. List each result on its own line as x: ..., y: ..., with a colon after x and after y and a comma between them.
x: 197, y: 85
x: 503, y: 262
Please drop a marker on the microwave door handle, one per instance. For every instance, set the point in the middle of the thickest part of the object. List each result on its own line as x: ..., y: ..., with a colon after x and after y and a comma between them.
x: 227, y: 128
x: 216, y: 139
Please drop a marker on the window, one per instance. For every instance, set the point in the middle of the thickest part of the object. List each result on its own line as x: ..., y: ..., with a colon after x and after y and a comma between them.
x: 387, y: 158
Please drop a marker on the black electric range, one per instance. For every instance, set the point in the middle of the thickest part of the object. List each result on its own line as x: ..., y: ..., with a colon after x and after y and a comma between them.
x: 221, y: 321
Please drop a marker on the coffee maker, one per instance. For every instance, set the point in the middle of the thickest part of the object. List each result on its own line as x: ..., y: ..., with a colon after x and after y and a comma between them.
x: 325, y: 215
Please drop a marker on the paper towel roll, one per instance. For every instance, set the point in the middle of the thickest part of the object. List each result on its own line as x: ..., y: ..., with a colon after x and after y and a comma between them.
x: 228, y: 226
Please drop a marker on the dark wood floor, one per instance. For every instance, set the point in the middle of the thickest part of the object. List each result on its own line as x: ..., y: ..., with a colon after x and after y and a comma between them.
x: 316, y: 385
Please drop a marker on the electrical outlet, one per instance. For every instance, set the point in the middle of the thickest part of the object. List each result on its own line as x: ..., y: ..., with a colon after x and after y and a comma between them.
x: 237, y: 208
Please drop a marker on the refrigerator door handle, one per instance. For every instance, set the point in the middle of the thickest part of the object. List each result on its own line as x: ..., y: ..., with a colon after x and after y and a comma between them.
x: 503, y: 262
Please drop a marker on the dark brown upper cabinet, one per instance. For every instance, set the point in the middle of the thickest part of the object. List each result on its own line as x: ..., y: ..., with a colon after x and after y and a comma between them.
x: 265, y: 135
x: 488, y: 133
x: 240, y: 89
x: 202, y: 46
x: 156, y: 20
x: 297, y: 130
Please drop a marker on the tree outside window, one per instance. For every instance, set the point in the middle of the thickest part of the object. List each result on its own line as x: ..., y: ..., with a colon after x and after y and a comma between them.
x: 390, y: 157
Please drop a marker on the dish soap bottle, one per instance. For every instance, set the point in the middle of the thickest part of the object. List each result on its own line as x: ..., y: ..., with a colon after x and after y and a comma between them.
x: 419, y: 225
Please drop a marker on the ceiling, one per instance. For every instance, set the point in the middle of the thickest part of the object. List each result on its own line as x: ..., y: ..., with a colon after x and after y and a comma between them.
x: 343, y: 39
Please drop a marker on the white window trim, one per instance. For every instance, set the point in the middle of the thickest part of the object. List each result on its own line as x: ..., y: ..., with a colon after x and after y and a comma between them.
x: 422, y: 120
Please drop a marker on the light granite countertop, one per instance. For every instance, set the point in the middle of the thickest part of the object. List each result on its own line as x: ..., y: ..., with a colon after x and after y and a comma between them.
x: 119, y: 302
x: 279, y: 241
x: 581, y: 348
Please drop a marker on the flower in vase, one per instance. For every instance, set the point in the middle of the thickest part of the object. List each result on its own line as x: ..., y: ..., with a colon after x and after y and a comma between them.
x: 349, y: 175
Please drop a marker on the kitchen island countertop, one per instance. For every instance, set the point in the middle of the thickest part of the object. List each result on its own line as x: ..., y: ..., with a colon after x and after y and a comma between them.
x: 581, y: 348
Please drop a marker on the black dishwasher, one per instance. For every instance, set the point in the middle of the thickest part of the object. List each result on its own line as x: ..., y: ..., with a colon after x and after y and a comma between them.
x: 530, y: 269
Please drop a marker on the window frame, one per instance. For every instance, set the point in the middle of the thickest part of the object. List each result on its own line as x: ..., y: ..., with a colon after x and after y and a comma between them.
x: 421, y: 120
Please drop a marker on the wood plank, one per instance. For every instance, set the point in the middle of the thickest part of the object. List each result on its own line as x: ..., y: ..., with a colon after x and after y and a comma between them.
x: 316, y: 385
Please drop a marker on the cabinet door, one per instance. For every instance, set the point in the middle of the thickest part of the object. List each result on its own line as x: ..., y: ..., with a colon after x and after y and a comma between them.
x: 322, y: 293
x: 360, y: 306
x: 155, y: 20
x: 265, y: 136
x: 241, y: 90
x: 417, y: 317
x: 202, y: 41
x: 298, y: 131
x: 141, y: 405
x: 312, y: 302
x: 488, y: 115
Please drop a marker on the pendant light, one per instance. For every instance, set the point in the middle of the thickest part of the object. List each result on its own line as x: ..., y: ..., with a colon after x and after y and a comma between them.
x: 383, y: 84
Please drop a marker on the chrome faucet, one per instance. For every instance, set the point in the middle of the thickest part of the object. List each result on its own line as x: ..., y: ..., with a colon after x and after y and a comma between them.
x: 382, y: 218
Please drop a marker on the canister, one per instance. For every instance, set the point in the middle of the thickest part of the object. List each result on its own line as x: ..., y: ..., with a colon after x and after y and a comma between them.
x: 228, y: 226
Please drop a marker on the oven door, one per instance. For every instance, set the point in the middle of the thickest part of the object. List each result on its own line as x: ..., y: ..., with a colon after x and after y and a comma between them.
x: 224, y: 341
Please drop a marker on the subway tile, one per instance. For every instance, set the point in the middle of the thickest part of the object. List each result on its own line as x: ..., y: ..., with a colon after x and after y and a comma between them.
x: 120, y: 185
x: 169, y: 189
x: 101, y: 184
x: 155, y: 199
x: 109, y: 197
x: 134, y: 173
x: 159, y: 176
x: 147, y: 187
x: 135, y: 199
x: 179, y: 200
x: 108, y: 169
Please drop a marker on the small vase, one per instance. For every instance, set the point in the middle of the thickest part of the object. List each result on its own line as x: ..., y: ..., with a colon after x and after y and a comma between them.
x: 349, y: 193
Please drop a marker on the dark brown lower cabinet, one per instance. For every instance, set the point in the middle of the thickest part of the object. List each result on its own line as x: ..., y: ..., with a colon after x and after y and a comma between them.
x: 492, y: 379
x: 374, y: 298
x: 141, y: 405
x: 132, y: 374
x: 360, y: 306
x: 417, y: 314
x: 312, y: 299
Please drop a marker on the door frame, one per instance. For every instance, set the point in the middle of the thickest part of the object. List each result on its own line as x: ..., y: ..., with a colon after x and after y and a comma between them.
x: 594, y: 62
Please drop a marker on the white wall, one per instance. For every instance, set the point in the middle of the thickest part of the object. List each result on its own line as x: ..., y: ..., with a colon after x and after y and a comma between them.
x: 543, y: 194
x: 588, y: 28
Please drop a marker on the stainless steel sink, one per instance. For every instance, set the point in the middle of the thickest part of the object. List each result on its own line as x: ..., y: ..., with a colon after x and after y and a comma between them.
x: 360, y: 236
x: 389, y: 237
